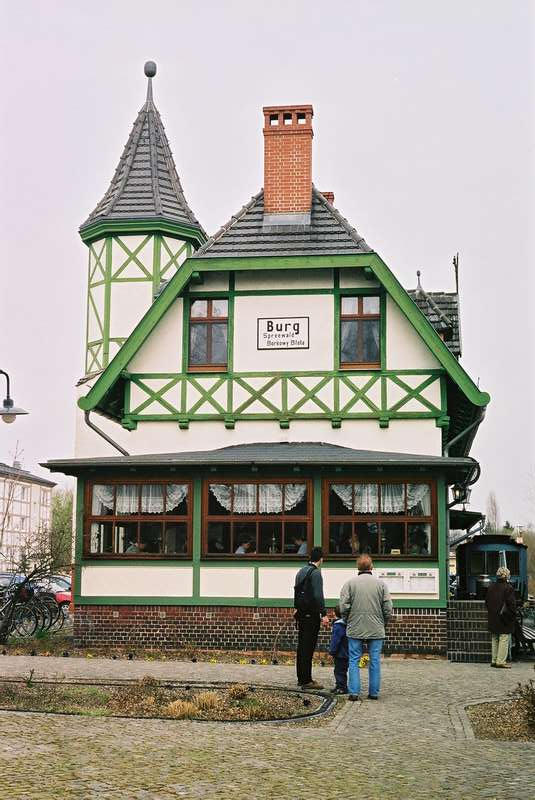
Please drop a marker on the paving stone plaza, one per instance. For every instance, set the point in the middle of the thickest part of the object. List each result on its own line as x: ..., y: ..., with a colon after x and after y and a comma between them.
x: 414, y: 743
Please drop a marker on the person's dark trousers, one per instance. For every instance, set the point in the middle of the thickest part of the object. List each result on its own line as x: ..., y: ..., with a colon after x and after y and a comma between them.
x: 340, y: 673
x: 308, y: 626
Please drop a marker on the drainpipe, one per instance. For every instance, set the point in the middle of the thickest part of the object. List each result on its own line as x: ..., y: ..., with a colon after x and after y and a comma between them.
x: 103, y: 435
x: 474, y: 475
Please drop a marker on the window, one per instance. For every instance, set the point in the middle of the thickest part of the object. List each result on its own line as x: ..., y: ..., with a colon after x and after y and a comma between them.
x: 360, y: 322
x: 384, y: 519
x: 146, y: 520
x: 261, y: 519
x: 208, y: 335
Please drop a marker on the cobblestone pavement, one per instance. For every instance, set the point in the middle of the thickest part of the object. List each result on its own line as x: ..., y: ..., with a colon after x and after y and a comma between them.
x: 409, y: 744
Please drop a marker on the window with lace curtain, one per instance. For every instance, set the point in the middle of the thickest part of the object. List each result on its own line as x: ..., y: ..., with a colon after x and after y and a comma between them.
x: 386, y: 519
x: 360, y: 331
x: 208, y: 335
x: 138, y: 519
x: 265, y: 519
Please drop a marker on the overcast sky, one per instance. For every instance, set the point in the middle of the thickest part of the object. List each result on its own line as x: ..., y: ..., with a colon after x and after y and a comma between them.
x: 424, y: 118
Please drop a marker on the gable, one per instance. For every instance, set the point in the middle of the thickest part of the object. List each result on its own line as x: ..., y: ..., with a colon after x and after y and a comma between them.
x: 157, y: 327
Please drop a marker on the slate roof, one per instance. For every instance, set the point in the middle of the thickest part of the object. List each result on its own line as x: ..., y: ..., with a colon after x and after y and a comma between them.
x: 145, y: 184
x: 442, y: 311
x: 244, y: 234
x: 265, y: 453
x: 23, y: 475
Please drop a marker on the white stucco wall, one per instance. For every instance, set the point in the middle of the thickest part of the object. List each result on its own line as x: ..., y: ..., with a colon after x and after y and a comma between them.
x: 319, y: 355
x: 284, y: 279
x: 403, y: 436
x: 133, y: 580
x: 227, y: 581
x: 211, y: 282
x: 405, y: 349
x: 162, y: 350
x: 128, y: 303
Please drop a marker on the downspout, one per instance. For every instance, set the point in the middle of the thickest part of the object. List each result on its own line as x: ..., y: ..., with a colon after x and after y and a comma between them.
x: 103, y: 435
x: 470, y: 480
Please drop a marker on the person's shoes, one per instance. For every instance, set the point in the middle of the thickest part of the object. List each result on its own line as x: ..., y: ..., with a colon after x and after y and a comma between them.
x: 312, y: 685
x: 354, y: 698
x: 339, y: 691
x: 503, y: 666
x: 373, y: 697
x: 493, y: 665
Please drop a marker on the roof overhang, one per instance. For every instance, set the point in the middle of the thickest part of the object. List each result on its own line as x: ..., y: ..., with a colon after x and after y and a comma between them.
x: 316, y: 455
x: 464, y: 520
x: 106, y: 227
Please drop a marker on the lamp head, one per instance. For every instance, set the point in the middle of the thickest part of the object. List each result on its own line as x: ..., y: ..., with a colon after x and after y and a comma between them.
x: 9, y: 412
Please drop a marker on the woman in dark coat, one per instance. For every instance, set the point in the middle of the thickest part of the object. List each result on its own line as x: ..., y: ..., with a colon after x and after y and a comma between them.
x: 501, y: 607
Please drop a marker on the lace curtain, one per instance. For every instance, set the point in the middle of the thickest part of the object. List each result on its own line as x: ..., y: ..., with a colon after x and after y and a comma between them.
x: 102, y: 500
x: 270, y: 497
x: 419, y: 499
x: 366, y: 496
x: 392, y: 498
x: 127, y: 498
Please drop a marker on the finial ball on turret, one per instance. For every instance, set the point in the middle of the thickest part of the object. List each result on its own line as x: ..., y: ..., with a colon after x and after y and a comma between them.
x: 150, y: 69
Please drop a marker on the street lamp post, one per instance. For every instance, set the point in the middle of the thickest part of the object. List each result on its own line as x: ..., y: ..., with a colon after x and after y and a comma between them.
x: 9, y: 411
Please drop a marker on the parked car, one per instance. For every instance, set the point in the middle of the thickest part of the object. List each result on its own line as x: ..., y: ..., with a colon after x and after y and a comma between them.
x: 55, y: 583
x: 63, y: 599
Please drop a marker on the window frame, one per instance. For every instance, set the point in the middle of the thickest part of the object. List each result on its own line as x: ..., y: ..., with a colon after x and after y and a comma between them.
x: 209, y: 320
x: 89, y: 518
x: 406, y: 519
x: 360, y: 296
x: 206, y: 518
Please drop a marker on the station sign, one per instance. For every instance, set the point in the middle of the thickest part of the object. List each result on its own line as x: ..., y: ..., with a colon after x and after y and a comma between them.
x: 282, y: 333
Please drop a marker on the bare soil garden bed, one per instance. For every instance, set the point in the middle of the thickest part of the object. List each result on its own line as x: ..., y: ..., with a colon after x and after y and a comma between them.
x: 506, y: 720
x: 149, y: 698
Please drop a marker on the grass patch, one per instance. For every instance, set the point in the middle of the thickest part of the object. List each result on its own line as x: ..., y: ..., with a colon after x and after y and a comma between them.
x: 150, y: 698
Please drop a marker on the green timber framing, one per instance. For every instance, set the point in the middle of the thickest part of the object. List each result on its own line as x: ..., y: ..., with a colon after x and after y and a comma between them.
x: 99, y: 238
x: 108, y: 395
x: 196, y: 562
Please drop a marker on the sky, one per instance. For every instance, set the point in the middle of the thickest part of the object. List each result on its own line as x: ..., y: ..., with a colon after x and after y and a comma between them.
x: 423, y: 128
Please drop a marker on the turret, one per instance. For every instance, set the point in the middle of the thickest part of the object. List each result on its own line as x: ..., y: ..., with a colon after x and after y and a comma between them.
x: 138, y: 236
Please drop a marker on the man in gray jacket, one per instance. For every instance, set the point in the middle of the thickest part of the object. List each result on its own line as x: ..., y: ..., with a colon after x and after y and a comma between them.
x: 366, y: 608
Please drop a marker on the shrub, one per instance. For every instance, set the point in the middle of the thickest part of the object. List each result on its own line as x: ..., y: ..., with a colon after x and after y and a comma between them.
x: 181, y: 709
x: 207, y: 701
x: 238, y: 691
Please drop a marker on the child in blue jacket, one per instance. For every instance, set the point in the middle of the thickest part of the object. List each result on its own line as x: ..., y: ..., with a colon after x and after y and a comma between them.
x: 339, y: 651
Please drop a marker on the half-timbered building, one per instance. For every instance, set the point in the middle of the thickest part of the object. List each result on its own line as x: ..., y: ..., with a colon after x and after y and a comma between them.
x: 250, y: 395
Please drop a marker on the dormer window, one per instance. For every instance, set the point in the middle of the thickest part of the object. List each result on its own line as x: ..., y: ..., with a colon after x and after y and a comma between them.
x: 208, y: 335
x: 360, y: 332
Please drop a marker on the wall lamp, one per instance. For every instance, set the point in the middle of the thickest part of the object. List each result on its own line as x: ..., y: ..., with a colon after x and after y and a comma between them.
x: 9, y: 412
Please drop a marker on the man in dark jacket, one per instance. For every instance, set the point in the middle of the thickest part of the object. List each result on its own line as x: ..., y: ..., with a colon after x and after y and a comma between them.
x: 309, y: 614
x: 501, y: 607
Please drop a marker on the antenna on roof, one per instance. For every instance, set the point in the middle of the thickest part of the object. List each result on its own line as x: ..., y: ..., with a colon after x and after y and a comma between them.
x: 456, y: 269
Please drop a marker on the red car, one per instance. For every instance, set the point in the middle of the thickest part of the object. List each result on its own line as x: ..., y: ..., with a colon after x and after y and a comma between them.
x: 63, y: 599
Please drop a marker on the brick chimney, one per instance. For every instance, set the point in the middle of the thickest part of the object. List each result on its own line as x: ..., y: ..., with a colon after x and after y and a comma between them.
x: 287, y: 164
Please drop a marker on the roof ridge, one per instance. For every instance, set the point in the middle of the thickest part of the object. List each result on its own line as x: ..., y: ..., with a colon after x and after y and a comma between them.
x: 349, y: 229
x: 441, y: 314
x: 232, y: 221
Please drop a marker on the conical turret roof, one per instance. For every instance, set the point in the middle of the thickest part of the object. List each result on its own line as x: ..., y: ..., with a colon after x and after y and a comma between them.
x: 145, y: 185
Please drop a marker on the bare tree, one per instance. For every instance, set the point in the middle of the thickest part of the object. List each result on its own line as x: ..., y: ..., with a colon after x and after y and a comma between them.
x: 493, y: 514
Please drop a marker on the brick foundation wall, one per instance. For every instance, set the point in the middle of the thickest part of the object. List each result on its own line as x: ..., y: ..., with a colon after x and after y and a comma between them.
x: 236, y: 628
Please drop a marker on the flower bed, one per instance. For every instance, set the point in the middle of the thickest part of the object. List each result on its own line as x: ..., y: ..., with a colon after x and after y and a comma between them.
x: 149, y: 698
